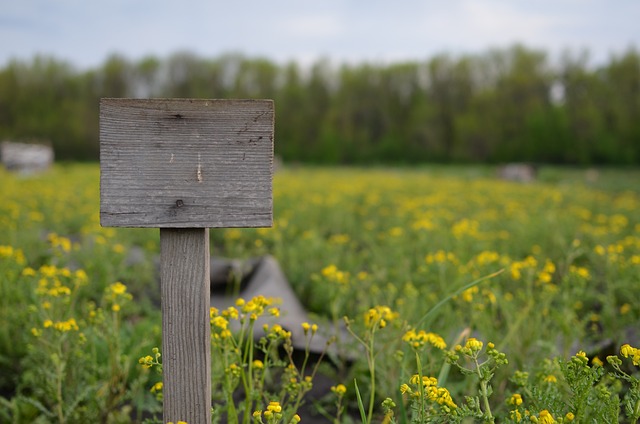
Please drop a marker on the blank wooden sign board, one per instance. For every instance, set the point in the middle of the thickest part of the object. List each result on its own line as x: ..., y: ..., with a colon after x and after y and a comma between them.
x: 184, y: 166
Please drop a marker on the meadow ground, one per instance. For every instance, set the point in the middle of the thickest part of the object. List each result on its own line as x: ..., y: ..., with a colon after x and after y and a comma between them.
x: 535, y: 339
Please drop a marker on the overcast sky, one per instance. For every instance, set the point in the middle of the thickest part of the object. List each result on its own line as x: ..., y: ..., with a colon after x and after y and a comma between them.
x: 85, y: 32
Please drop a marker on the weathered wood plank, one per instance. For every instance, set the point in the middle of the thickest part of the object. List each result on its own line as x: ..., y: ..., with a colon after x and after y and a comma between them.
x: 186, y: 332
x: 186, y: 163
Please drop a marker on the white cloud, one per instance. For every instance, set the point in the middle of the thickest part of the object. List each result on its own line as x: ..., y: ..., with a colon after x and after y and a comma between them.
x: 313, y: 26
x: 85, y: 31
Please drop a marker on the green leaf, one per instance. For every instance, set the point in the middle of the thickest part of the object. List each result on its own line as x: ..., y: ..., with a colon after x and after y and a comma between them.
x: 429, y: 315
x: 363, y: 414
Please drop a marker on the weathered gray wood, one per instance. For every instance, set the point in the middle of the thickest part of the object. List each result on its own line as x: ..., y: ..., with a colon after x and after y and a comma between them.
x: 186, y: 163
x: 185, y: 166
x: 186, y: 333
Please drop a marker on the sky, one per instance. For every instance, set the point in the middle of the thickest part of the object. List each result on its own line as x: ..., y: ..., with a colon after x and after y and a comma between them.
x: 86, y: 32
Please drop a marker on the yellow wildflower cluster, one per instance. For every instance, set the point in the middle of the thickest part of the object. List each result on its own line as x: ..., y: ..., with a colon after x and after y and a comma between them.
x: 276, y: 331
x: 334, y: 275
x: 59, y: 242
x: 340, y: 389
x: 272, y: 414
x: 62, y: 326
x: 441, y: 257
x: 544, y: 417
x: 487, y: 257
x: 515, y: 400
x: 631, y: 352
x: 518, y: 267
x: 256, y: 306
x: 146, y: 361
x: 546, y: 274
x: 465, y: 227
x: 219, y: 324
x: 306, y: 327
x: 149, y: 361
x: 429, y: 390
x: 379, y: 316
x: 471, y: 347
x: 10, y: 253
x: 419, y: 339
x: 116, y: 295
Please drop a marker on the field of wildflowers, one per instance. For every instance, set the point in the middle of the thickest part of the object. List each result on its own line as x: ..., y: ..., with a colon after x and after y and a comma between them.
x: 462, y: 297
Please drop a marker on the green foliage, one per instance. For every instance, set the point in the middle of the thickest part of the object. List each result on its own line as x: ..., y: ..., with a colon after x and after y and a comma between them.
x: 505, y: 105
x: 401, y: 251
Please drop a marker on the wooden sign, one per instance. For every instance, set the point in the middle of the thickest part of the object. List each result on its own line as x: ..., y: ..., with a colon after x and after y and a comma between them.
x: 185, y: 165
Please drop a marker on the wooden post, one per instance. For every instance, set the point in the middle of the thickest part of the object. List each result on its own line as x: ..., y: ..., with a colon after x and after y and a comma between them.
x: 186, y: 334
x: 184, y: 166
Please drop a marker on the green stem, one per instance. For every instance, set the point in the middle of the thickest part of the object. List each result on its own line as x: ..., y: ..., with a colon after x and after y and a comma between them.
x: 247, y: 378
x: 59, y: 378
x: 421, y: 386
x: 231, y: 408
x: 485, y: 398
x: 372, y: 371
x: 484, y: 392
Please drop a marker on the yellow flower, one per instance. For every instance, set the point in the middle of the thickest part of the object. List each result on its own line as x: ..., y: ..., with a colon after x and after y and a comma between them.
x: 569, y: 416
x: 378, y: 316
x: 231, y: 312
x: 515, y: 399
x: 258, y: 364
x: 628, y: 351
x: 473, y: 344
x: 6, y: 251
x: 65, y: 326
x: 546, y: 417
x: 81, y: 276
x: 274, y: 407
x: 340, y: 389
x: 220, y: 322
x: 118, y: 288
x: 156, y: 387
x: 582, y: 357
x: 28, y: 271
x: 419, y: 339
x: 550, y: 379
x: 146, y: 361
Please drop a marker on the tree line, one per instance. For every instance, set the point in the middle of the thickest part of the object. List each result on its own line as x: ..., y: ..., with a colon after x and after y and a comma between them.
x: 503, y: 105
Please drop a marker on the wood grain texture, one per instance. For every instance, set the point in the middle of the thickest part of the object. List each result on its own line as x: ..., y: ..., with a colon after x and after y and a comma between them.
x: 186, y: 332
x: 186, y: 163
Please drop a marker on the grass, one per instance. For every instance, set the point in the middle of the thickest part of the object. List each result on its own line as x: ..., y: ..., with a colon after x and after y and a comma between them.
x: 566, y: 249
